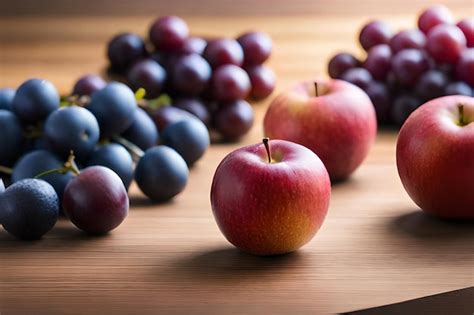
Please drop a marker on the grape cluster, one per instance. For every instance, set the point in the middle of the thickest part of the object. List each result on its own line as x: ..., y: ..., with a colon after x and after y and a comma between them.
x: 404, y: 70
x: 210, y: 78
x: 80, y: 154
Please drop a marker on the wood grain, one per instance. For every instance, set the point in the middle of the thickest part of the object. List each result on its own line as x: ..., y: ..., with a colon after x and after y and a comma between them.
x: 374, y: 248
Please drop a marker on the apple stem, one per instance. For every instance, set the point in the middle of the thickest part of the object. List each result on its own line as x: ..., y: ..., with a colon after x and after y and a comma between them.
x: 267, y: 147
x: 462, y: 121
x: 6, y: 170
x: 316, y: 88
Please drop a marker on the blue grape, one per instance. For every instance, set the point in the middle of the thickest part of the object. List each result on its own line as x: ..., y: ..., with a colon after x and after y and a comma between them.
x: 161, y: 173
x: 115, y: 157
x: 36, y: 162
x: 114, y: 107
x: 143, y: 131
x: 30, y: 209
x: 11, y: 137
x: 6, y: 98
x: 71, y: 129
x: 189, y: 138
x: 34, y: 100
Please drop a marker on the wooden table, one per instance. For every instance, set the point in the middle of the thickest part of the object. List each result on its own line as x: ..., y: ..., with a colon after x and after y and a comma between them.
x: 374, y: 248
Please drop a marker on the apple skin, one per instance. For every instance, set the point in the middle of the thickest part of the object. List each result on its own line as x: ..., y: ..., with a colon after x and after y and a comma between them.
x: 339, y: 125
x: 435, y: 157
x: 270, y: 208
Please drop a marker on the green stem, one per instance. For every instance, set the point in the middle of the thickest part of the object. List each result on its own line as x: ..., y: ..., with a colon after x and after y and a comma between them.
x: 130, y: 146
x: 69, y: 166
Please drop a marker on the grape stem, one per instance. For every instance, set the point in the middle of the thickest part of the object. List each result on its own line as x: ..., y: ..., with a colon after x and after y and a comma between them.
x: 131, y: 147
x: 69, y: 166
x: 6, y: 170
x: 82, y: 100
x: 267, y: 147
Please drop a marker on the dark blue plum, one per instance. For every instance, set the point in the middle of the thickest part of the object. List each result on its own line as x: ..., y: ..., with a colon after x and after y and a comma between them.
x: 88, y: 84
x: 69, y: 129
x: 34, y: 100
x: 115, y: 157
x: 30, y: 208
x: 143, y: 131
x: 114, y: 107
x: 11, y: 137
x: 37, y: 162
x: 124, y: 49
x: 147, y: 74
x: 189, y: 138
x: 161, y: 173
x: 6, y: 98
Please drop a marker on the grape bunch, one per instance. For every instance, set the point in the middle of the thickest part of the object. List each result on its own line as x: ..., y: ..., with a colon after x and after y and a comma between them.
x: 404, y: 70
x: 79, y: 155
x: 209, y: 78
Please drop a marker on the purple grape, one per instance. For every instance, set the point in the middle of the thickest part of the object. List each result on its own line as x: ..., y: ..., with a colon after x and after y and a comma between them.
x: 465, y: 67
x: 190, y: 75
x: 380, y: 96
x: 233, y: 120
x: 224, y: 51
x: 408, y: 39
x: 169, y: 33
x: 193, y: 45
x: 257, y: 47
x: 230, y: 83
x: 125, y: 49
x: 96, y: 200
x: 434, y: 15
x: 358, y: 76
x: 445, y: 43
x: 374, y: 33
x: 263, y: 81
x: 431, y: 84
x: 378, y: 61
x: 408, y: 65
x: 88, y: 84
x: 167, y: 115
x: 147, y: 74
x: 340, y: 63
x: 467, y: 27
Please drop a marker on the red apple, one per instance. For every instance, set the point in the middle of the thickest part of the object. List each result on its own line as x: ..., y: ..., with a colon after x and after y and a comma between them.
x: 335, y: 119
x: 270, y: 202
x: 435, y: 156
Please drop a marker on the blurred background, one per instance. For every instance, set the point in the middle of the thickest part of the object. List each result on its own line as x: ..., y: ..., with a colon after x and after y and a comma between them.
x: 70, y: 36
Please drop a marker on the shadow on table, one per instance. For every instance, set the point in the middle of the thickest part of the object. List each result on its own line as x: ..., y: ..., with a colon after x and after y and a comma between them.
x: 231, y: 264
x: 145, y: 202
x: 420, y: 225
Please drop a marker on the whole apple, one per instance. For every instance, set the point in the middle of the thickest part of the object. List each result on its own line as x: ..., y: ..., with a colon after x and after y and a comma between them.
x: 333, y: 118
x: 435, y: 157
x: 270, y: 198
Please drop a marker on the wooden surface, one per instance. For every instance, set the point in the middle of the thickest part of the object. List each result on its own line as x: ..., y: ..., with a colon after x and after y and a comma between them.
x: 374, y: 248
